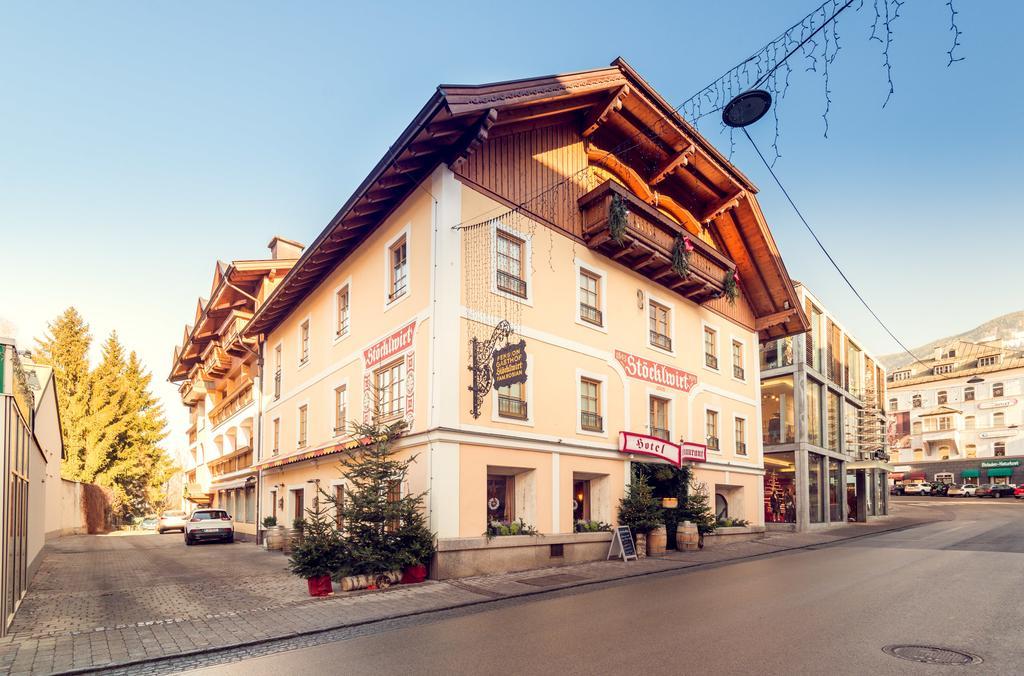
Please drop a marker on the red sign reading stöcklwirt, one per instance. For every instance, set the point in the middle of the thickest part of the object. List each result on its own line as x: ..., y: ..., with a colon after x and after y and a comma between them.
x: 398, y: 341
x: 653, y: 372
x: 675, y: 454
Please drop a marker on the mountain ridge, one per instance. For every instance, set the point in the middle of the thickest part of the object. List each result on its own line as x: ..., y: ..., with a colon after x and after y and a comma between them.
x: 1009, y: 327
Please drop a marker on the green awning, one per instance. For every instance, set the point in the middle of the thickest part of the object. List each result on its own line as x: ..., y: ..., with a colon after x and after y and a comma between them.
x: 1000, y: 471
x: 970, y: 474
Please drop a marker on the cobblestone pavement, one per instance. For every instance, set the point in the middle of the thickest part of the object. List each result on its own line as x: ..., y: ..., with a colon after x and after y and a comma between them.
x: 99, y: 602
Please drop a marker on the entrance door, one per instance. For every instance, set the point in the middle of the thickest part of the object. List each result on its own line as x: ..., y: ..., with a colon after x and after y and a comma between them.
x: 299, y: 504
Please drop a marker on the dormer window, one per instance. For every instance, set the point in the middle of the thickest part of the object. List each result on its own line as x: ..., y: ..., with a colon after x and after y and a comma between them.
x: 901, y: 375
x: 988, y: 360
x: 942, y: 369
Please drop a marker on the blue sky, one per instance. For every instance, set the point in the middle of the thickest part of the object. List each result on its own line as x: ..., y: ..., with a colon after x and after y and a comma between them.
x: 139, y: 142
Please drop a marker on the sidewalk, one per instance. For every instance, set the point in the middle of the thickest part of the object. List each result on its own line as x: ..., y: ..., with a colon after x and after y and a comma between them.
x: 118, y: 645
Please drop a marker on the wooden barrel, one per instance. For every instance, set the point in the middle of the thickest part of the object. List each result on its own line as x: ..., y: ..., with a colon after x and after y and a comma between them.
x: 657, y: 541
x: 274, y: 538
x: 686, y: 536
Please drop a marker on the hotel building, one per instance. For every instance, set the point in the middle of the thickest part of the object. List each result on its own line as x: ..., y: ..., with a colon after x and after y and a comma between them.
x: 569, y: 239
x: 823, y: 426
x: 957, y: 416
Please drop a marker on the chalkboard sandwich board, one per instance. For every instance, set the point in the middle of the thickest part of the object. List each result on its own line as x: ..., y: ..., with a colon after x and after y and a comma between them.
x: 622, y: 544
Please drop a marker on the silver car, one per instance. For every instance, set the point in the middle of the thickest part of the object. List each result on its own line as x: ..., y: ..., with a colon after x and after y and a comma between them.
x: 173, y: 520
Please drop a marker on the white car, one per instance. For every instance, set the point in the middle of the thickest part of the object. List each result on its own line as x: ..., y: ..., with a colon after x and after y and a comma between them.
x: 209, y: 524
x: 917, y: 488
x: 173, y: 520
x: 969, y: 490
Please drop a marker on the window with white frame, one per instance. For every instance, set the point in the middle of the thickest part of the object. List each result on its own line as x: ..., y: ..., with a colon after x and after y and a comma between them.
x: 740, y: 431
x: 340, y: 409
x: 997, y: 389
x: 737, y: 360
x: 342, y: 301
x: 277, y: 436
x: 999, y: 449
x: 901, y: 375
x: 304, y: 342
x: 968, y: 393
x: 943, y: 369
x: 510, y: 264
x: 590, y: 298
x: 915, y: 401
x: 710, y: 347
x: 943, y: 397
x: 660, y: 323
x: 988, y: 360
x: 659, y: 418
x: 969, y: 422
x: 711, y: 429
x: 303, y: 425
x: 389, y: 383
x: 398, y: 257
x: 512, y: 401
x: 590, y: 405
x: 892, y: 404
x: 998, y: 419
x: 277, y: 372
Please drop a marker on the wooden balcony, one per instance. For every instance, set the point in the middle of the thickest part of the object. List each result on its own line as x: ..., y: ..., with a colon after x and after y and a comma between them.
x: 216, y: 360
x: 231, y: 404
x: 192, y: 391
x: 648, y: 244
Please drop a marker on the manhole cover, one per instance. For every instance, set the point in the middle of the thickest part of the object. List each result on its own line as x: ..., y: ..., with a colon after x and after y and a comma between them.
x: 931, y: 655
x: 551, y: 580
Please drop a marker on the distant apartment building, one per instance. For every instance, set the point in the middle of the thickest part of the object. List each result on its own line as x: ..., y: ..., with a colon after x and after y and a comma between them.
x: 823, y: 426
x: 217, y: 370
x: 956, y: 416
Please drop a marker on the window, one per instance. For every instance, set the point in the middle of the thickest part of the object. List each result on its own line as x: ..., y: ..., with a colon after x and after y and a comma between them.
x: 942, y: 397
x: 388, y: 383
x: 988, y: 360
x: 298, y: 504
x: 813, y: 346
x: 892, y: 404
x: 737, y: 360
x: 304, y: 342
x: 969, y: 422
x: 916, y: 427
x: 968, y: 394
x: 303, y: 420
x: 997, y: 389
x: 659, y: 326
x: 776, y: 353
x: 945, y: 423
x: 942, y: 369
x: 590, y: 298
x: 277, y: 436
x: 711, y: 429
x: 710, y: 348
x: 918, y: 455
x: 342, y: 321
x: 394, y: 497
x: 999, y: 449
x: 273, y: 504
x: 740, y: 431
x: 510, y: 265
x: 944, y: 452
x: 998, y: 419
x: 500, y: 498
x: 512, y: 401
x: 659, y: 418
x: 581, y: 500
x: 339, y: 506
x: 833, y: 405
x: 399, y: 269
x: 277, y: 372
x: 814, y: 413
x: 915, y: 401
x: 590, y: 405
x: 972, y: 451
x: 901, y: 375
x: 777, y: 422
x: 340, y: 409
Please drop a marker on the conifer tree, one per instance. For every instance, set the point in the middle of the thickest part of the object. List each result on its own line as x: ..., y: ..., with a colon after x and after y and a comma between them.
x: 65, y: 348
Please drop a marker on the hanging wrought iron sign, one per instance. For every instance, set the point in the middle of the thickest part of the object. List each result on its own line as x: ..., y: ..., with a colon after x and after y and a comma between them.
x: 508, y: 366
x: 481, y: 355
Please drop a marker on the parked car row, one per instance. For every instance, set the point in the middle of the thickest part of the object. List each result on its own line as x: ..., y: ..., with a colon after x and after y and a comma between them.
x: 967, y: 490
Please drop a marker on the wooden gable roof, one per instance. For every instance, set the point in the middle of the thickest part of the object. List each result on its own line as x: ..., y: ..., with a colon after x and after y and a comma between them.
x: 610, y: 106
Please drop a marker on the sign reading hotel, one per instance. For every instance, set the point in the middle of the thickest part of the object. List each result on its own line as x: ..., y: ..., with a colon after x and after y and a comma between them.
x: 509, y: 365
x: 674, y: 454
x: 653, y: 372
x: 399, y: 341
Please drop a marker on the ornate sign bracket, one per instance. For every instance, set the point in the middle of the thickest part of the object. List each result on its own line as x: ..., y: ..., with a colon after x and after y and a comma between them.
x: 481, y: 363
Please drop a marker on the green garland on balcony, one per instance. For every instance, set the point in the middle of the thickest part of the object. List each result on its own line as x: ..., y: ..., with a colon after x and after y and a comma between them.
x: 730, y: 287
x: 681, y: 256
x: 618, y: 218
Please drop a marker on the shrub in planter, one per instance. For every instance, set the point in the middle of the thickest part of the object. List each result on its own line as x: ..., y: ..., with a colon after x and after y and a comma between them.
x: 270, y: 522
x: 504, y: 528
x: 697, y: 508
x: 316, y: 555
x: 584, y: 526
x: 731, y: 523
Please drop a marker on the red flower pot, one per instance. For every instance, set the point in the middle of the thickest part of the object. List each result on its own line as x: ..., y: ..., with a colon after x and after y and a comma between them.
x: 414, y: 574
x: 319, y: 586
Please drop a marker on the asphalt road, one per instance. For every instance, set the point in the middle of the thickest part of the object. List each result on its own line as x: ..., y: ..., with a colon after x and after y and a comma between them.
x: 955, y: 584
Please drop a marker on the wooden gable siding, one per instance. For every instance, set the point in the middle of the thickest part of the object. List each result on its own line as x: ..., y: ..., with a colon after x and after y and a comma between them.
x: 518, y: 167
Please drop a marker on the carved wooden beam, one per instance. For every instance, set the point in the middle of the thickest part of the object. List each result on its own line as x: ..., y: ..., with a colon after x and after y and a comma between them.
x: 774, y: 319
x: 597, y: 117
x: 721, y: 206
x: 472, y: 139
x: 680, y: 159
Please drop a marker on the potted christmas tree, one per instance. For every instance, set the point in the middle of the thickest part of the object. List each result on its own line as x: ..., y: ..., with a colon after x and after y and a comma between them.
x: 697, y: 510
x: 641, y: 511
x: 317, y: 554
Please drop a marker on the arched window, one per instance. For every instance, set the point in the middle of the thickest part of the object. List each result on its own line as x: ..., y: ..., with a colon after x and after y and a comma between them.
x: 916, y: 401
x: 892, y: 404
x: 999, y: 449
x: 969, y: 393
x: 942, y: 396
x: 997, y: 389
x: 944, y: 452
x: 918, y: 454
x: 721, y: 506
x: 998, y: 419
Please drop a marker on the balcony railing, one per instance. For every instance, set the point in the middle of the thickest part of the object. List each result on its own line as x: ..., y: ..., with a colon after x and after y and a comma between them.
x: 592, y: 422
x: 509, y: 283
x: 342, y: 327
x: 710, y: 360
x: 737, y: 372
x: 648, y: 243
x: 713, y: 443
x: 277, y: 385
x: 661, y: 433
x: 661, y: 340
x: 741, y: 447
x: 231, y: 405
x: 511, y: 407
x: 589, y: 313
